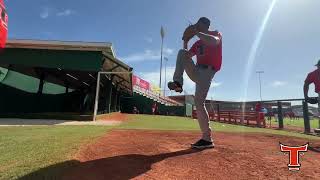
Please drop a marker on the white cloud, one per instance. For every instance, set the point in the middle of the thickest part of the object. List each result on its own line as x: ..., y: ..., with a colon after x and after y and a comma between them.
x: 154, y: 76
x: 167, y: 51
x: 66, y: 12
x: 147, y: 55
x: 278, y: 83
x: 44, y: 13
x: 216, y: 84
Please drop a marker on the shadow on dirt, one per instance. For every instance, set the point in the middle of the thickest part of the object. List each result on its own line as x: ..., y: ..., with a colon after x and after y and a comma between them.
x: 315, y: 149
x: 121, y: 167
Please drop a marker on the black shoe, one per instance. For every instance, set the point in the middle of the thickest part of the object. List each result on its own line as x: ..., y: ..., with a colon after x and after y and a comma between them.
x: 176, y: 86
x: 202, y: 144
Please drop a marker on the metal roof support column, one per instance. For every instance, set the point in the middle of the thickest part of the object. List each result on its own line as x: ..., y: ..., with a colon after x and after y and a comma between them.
x: 67, y: 88
x: 113, y: 99
x: 96, y: 102
x: 109, y: 95
x: 280, y: 115
x: 306, y: 117
x: 118, y: 100
x: 42, y: 77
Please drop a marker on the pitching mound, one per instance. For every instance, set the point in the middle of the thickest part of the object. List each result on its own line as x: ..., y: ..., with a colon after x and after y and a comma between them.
x: 166, y: 155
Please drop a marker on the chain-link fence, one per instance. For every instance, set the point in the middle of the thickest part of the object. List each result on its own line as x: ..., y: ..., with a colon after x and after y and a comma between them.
x: 287, y: 114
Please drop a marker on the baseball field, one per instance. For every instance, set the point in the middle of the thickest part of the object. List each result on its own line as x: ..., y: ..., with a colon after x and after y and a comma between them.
x: 151, y: 147
x: 314, y: 123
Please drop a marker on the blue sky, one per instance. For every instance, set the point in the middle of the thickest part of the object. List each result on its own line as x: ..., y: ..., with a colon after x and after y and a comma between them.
x: 288, y: 49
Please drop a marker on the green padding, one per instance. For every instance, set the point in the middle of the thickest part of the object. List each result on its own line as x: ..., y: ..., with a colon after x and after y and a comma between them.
x: 21, y: 82
x: 31, y: 84
x: 144, y: 105
x: 172, y: 110
x: 73, y: 60
x: 17, y: 101
x: 3, y: 73
x: 50, y: 88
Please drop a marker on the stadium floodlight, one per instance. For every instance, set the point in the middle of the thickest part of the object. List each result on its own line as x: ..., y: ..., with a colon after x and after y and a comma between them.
x: 162, y: 33
x: 96, y: 102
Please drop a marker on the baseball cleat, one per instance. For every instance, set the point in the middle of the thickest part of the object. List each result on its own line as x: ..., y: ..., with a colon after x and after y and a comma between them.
x: 202, y: 144
x: 175, y: 86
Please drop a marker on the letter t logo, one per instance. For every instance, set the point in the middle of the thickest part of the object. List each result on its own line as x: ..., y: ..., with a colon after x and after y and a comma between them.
x: 294, y: 153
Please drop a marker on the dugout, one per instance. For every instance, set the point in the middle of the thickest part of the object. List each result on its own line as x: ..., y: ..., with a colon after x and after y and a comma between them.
x: 54, y: 76
x: 144, y: 104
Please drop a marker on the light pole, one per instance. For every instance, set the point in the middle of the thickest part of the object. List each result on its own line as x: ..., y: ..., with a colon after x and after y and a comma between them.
x: 162, y: 36
x: 165, y: 75
x: 259, y: 73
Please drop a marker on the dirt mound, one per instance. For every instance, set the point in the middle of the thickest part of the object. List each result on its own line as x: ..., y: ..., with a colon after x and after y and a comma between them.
x: 116, y: 116
x: 166, y: 155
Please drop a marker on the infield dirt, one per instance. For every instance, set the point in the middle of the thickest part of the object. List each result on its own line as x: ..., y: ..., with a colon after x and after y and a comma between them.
x: 140, y: 154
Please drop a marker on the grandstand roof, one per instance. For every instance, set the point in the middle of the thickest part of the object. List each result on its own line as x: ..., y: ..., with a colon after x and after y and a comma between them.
x: 75, y: 63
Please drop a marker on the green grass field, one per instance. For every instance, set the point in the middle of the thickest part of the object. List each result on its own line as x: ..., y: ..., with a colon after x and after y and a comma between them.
x: 28, y: 149
x: 181, y: 123
x: 296, y: 122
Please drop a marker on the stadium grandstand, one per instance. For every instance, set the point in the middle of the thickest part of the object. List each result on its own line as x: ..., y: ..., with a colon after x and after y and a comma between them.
x: 52, y: 77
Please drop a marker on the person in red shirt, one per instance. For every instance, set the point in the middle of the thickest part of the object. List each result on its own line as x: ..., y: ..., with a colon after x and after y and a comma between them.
x: 313, y: 78
x: 208, y: 50
x: 258, y: 107
x: 154, y: 108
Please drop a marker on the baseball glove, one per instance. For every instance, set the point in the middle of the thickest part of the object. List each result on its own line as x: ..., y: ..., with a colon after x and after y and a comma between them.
x: 312, y: 100
x: 189, y: 32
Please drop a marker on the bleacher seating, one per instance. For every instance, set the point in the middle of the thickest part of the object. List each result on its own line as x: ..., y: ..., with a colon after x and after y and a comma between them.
x: 156, y: 97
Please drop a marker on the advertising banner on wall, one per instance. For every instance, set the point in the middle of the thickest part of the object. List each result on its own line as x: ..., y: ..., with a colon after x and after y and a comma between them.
x: 144, y: 85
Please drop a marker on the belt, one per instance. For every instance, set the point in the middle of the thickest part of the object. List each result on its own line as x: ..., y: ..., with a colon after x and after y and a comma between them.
x: 205, y: 66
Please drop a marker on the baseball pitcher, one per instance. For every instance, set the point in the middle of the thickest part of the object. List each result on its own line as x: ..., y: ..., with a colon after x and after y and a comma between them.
x: 313, y: 78
x: 208, y: 50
